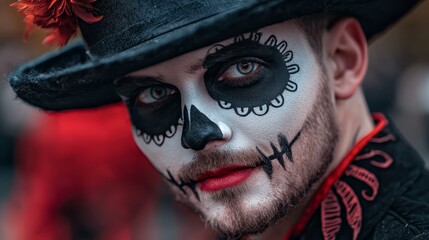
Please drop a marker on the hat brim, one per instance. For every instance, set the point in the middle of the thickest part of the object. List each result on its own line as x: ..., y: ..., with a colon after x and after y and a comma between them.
x: 71, y: 79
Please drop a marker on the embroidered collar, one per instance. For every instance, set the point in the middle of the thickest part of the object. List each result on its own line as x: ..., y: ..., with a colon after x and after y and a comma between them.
x: 359, y: 191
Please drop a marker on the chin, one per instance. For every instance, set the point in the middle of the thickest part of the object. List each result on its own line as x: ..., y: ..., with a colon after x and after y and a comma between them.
x: 252, y: 207
x: 249, y: 208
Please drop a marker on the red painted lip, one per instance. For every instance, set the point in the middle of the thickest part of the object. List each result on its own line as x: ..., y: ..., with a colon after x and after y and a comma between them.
x: 230, y: 176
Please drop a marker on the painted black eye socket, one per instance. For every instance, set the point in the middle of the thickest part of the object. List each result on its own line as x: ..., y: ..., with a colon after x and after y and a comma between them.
x: 155, y: 112
x: 249, y: 76
x: 154, y: 107
x: 245, y: 75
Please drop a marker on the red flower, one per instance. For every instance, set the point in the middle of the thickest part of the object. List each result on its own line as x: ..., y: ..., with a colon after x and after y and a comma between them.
x: 60, y: 16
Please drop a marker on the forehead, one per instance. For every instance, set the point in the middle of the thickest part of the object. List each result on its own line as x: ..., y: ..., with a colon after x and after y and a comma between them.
x: 192, y: 62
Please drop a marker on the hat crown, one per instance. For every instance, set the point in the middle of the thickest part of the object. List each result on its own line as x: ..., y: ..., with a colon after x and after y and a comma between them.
x: 135, y: 34
x: 126, y: 23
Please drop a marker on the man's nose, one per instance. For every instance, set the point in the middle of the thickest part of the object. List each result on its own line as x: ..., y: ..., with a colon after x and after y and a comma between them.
x: 198, y: 129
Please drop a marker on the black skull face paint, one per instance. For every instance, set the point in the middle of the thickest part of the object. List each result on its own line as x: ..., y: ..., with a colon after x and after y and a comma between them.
x: 262, y: 164
x: 248, y: 76
x: 155, y: 108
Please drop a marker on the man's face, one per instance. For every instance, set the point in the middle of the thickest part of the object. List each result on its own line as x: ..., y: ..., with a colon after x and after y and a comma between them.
x: 241, y: 129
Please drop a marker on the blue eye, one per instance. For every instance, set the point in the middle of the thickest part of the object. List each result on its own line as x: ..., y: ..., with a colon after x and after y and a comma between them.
x: 245, y: 68
x: 239, y: 70
x: 154, y: 94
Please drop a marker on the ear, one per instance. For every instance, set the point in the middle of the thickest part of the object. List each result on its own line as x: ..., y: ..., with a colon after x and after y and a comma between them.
x: 347, y: 55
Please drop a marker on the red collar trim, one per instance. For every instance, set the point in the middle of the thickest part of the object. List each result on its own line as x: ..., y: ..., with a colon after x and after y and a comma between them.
x: 334, y: 176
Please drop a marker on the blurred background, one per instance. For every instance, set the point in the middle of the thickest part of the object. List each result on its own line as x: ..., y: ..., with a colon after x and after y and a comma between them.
x: 44, y: 194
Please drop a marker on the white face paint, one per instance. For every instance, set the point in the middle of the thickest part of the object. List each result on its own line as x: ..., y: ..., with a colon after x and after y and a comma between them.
x: 241, y: 129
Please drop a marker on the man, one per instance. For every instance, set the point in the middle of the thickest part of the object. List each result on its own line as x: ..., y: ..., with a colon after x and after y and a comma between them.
x: 252, y: 110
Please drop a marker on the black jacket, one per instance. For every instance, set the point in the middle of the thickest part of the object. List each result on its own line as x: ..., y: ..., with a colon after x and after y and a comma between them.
x: 382, y: 194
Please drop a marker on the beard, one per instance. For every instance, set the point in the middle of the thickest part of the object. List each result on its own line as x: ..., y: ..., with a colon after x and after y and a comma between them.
x: 313, y: 153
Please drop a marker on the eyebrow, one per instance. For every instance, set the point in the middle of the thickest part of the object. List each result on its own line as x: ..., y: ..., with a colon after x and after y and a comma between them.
x: 127, y: 85
x: 244, y: 48
x: 195, y: 67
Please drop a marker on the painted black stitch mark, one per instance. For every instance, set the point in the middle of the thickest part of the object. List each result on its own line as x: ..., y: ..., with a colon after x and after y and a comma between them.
x: 159, y: 139
x: 181, y: 184
x: 285, y: 149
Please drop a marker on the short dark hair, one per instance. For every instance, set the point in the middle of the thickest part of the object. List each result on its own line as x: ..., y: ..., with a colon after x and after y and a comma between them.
x: 313, y: 27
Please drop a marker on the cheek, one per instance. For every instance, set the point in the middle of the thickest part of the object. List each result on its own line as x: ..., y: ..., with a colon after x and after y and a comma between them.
x: 171, y: 155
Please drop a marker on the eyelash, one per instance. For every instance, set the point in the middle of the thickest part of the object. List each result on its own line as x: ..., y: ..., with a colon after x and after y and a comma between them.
x: 148, y: 107
x: 242, y: 81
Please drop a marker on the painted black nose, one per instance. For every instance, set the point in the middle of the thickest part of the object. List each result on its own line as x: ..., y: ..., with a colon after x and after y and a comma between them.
x: 198, y: 129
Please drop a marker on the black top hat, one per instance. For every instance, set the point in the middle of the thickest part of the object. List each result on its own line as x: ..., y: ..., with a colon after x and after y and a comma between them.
x: 138, y: 33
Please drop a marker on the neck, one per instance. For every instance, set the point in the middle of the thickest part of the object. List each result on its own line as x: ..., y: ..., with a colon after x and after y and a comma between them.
x: 355, y: 122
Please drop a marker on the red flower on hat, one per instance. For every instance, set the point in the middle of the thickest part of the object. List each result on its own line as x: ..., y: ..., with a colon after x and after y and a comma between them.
x: 60, y: 16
